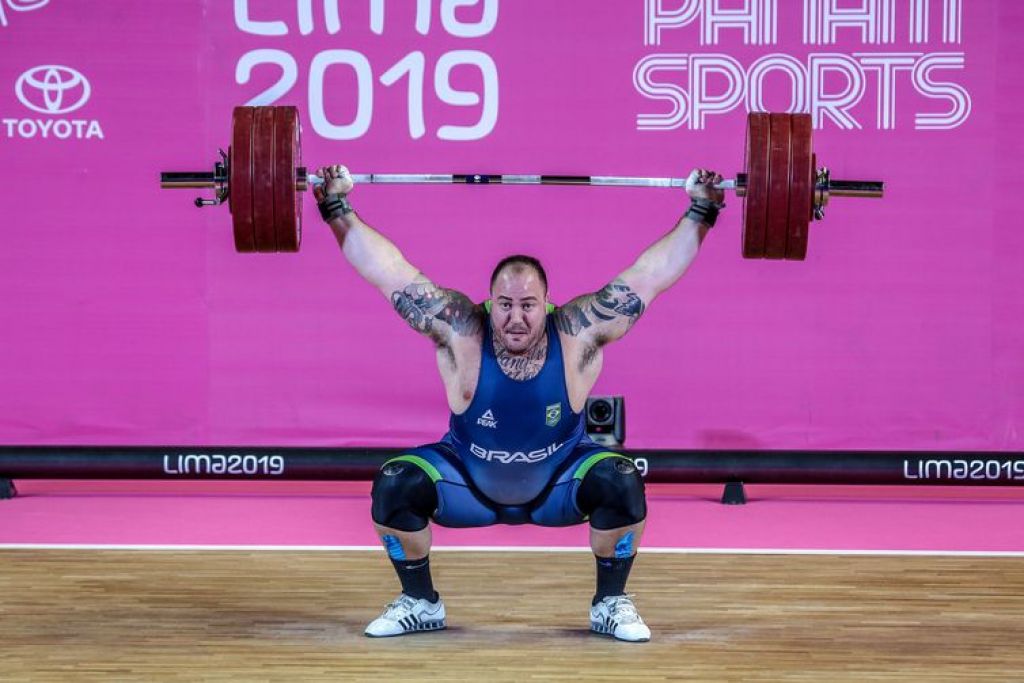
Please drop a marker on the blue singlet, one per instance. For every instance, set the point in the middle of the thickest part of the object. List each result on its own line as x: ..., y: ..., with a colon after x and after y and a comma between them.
x: 516, y: 434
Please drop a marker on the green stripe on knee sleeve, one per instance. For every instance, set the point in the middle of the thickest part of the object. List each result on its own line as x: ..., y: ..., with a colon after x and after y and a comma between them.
x: 432, y: 472
x: 592, y: 460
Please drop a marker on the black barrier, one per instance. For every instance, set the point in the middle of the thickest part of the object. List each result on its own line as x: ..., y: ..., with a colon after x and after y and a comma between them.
x: 976, y: 468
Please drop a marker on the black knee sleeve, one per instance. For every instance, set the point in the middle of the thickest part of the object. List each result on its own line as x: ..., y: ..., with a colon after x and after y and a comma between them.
x: 612, y: 494
x: 404, y: 497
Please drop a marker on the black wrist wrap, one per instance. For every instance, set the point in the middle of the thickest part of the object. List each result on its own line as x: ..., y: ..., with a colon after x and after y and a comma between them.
x: 334, y: 206
x: 704, y: 211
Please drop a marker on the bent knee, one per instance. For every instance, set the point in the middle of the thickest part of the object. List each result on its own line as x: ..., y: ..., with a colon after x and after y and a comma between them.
x: 612, y: 494
x: 404, y: 496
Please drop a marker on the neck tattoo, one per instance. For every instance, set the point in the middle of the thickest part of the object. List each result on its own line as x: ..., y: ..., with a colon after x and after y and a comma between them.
x: 522, y: 366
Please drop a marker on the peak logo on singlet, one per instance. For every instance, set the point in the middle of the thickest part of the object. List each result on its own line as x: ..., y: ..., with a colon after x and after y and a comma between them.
x: 514, y: 456
x: 487, y: 420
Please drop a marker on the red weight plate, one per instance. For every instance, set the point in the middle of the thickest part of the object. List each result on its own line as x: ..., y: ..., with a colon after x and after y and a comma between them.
x: 263, y: 179
x: 287, y: 199
x: 240, y: 179
x: 756, y: 200
x: 801, y: 186
x: 776, y: 225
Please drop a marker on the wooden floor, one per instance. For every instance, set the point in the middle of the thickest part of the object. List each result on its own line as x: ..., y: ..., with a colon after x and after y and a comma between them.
x: 298, y: 616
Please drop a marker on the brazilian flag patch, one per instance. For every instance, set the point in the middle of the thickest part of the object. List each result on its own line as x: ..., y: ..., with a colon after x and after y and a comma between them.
x: 552, y: 414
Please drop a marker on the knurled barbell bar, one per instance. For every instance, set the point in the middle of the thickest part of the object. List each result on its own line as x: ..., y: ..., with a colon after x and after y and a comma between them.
x: 262, y: 176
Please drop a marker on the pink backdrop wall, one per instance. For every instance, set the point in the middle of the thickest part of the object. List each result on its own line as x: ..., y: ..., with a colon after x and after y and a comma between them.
x: 127, y: 318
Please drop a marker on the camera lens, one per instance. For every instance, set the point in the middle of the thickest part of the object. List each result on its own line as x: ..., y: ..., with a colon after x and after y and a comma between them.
x: 600, y: 411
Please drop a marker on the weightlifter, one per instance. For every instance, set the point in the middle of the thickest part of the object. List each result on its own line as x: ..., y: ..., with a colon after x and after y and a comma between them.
x: 517, y: 371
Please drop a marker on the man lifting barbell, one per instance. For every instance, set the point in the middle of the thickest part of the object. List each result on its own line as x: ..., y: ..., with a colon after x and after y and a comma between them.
x: 517, y: 372
x: 506, y: 363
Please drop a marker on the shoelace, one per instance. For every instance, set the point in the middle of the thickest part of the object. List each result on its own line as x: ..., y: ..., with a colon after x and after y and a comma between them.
x: 401, y: 607
x: 623, y: 610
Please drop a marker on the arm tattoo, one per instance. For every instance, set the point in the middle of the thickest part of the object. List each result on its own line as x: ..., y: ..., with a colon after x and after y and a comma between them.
x: 426, y: 307
x: 615, y: 301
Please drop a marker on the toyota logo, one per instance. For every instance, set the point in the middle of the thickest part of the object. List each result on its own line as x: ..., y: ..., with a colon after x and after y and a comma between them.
x: 52, y: 89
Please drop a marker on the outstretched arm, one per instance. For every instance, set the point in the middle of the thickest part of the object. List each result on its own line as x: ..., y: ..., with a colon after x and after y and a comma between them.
x: 606, y: 315
x: 434, y: 311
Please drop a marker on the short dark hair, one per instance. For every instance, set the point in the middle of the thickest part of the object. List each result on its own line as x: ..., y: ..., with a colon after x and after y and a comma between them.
x: 518, y: 261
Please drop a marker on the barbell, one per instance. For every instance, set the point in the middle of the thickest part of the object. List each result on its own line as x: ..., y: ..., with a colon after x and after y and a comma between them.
x: 261, y: 177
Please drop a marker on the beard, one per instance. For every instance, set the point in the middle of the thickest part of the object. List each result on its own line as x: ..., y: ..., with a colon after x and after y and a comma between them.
x: 518, y: 339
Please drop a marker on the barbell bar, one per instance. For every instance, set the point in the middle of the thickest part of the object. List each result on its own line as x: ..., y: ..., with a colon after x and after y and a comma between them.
x: 303, y: 180
x: 172, y: 180
x: 261, y: 177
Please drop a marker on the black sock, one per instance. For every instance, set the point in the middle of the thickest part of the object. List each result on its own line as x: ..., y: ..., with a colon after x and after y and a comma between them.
x: 612, y: 573
x: 415, y: 578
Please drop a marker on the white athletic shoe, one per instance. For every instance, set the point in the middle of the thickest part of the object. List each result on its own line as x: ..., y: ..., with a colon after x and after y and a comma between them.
x: 616, y: 616
x: 408, y: 615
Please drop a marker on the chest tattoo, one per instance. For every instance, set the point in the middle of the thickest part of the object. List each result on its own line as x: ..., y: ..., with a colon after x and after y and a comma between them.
x: 521, y: 367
